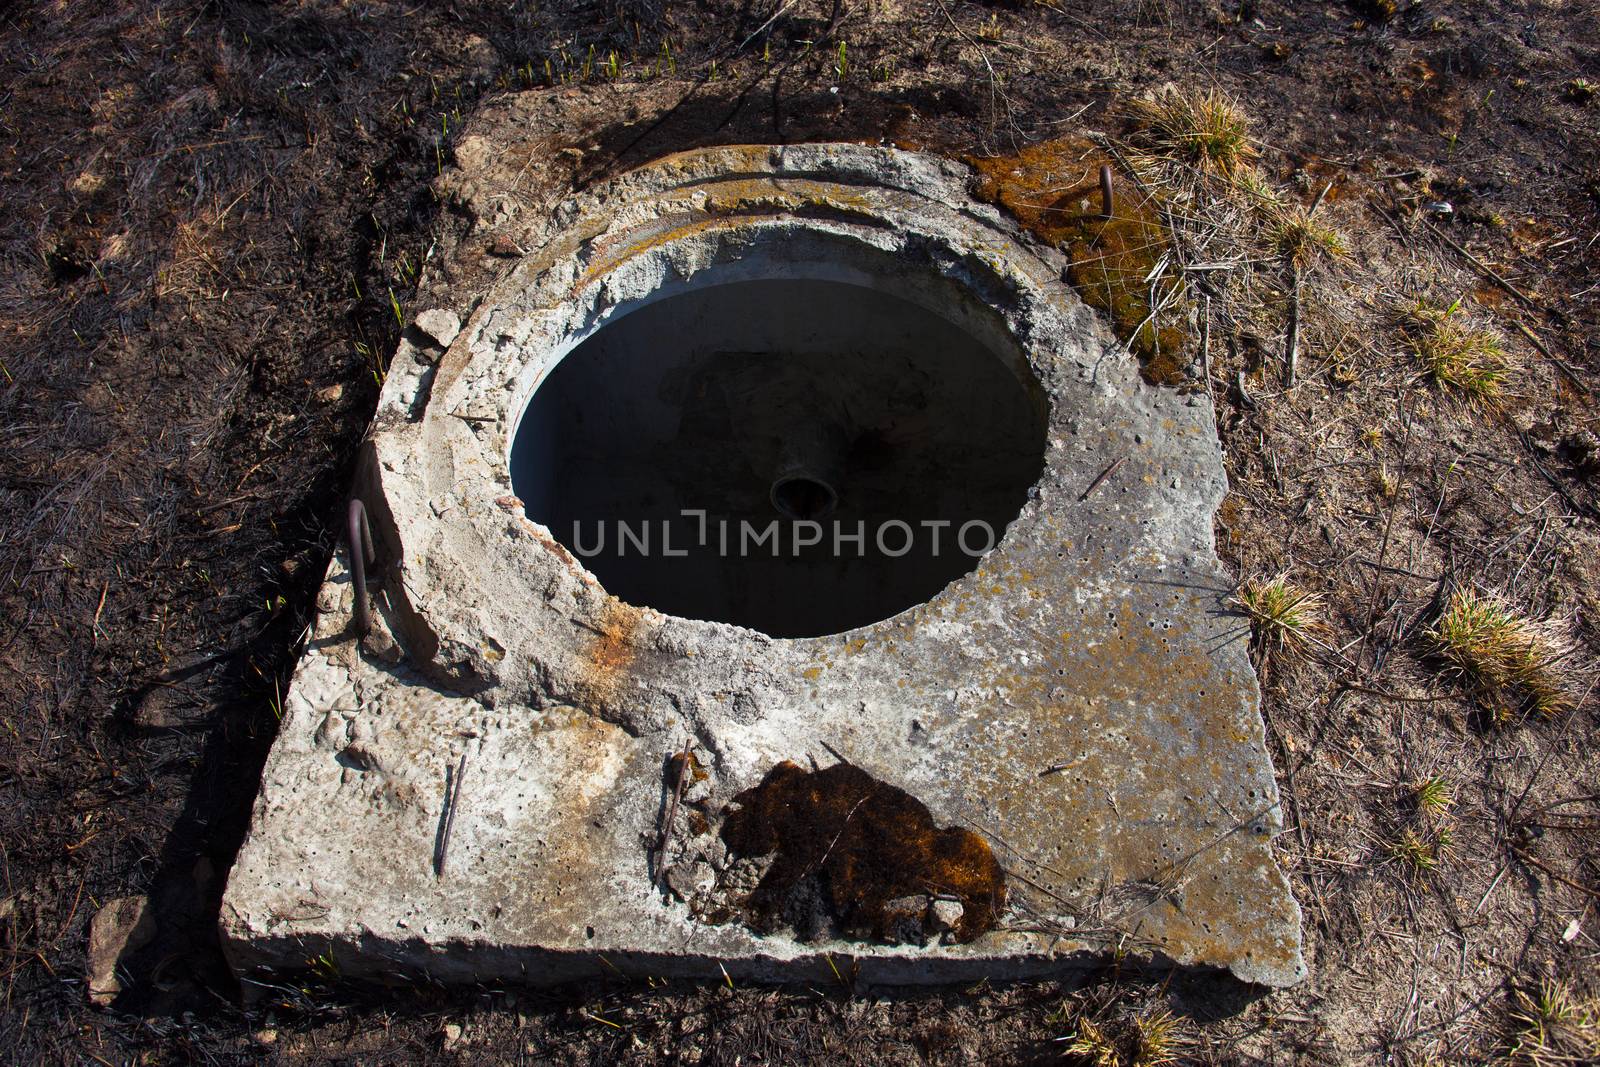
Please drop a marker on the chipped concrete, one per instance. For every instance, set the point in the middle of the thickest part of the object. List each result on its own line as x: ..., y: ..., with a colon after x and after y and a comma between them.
x: 476, y: 791
x: 120, y: 928
x: 440, y: 325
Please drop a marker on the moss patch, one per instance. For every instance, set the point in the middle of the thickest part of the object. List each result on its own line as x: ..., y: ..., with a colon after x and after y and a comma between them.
x: 1053, y: 189
x: 859, y: 844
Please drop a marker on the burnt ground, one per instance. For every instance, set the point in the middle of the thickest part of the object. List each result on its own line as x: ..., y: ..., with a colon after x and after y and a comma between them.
x: 214, y: 220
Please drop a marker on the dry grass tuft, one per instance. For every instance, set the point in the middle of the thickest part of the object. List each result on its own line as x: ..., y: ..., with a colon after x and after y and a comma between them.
x: 1384, y: 482
x: 1300, y: 239
x: 1422, y: 840
x: 1512, y: 659
x: 1553, y: 1026
x: 1421, y: 852
x: 1092, y: 1045
x: 1154, y: 1038
x: 1376, y: 10
x: 1257, y: 189
x: 1207, y: 129
x: 1433, y: 796
x: 1158, y: 1039
x: 1470, y: 361
x: 1283, y: 615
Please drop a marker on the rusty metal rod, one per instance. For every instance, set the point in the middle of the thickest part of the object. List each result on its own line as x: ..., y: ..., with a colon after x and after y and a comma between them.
x: 1108, y: 472
x: 447, y: 825
x: 359, y: 534
x: 664, y: 838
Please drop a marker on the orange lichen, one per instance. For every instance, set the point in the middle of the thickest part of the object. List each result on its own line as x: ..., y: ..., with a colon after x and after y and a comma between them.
x: 610, y: 656
x: 858, y: 843
x: 1053, y: 188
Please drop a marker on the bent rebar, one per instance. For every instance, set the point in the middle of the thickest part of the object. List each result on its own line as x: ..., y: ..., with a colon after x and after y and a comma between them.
x: 359, y: 538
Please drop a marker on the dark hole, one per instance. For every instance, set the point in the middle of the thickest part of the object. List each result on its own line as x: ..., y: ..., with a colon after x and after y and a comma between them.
x: 803, y: 498
x: 67, y: 264
x: 768, y: 403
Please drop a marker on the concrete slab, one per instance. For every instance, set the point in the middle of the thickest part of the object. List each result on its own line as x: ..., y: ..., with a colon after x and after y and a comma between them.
x: 1057, y: 754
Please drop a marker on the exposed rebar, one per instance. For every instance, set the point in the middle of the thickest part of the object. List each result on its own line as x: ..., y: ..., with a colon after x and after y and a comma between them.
x: 359, y: 537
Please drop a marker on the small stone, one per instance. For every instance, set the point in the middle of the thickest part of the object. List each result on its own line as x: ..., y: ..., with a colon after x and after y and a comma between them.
x: 440, y: 325
x: 332, y: 732
x: 157, y: 709
x: 330, y: 598
x: 360, y: 758
x: 121, y: 927
x: 945, y: 915
x: 331, y: 394
x: 1582, y: 450
x: 504, y: 246
x: 381, y: 645
x: 689, y: 880
x: 745, y: 873
x: 715, y: 852
x: 903, y: 920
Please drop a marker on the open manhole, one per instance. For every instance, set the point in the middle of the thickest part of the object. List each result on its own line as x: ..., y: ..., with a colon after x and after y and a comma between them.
x: 777, y: 565
x: 796, y: 455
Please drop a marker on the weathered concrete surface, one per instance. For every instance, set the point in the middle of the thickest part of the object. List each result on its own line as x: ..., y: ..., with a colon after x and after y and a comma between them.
x: 1083, y: 700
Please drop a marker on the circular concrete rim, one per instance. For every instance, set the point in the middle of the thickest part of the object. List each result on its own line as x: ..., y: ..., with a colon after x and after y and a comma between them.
x: 741, y: 252
x: 684, y: 215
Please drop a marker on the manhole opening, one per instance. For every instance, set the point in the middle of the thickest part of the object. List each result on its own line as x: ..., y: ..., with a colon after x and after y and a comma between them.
x: 801, y: 457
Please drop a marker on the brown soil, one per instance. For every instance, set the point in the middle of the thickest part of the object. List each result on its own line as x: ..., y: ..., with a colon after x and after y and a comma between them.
x: 215, y: 216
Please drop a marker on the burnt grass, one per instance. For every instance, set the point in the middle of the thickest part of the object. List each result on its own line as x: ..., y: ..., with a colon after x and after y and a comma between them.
x: 214, y: 216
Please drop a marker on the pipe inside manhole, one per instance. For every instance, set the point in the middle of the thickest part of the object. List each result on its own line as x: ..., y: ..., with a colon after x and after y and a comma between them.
x: 799, y: 456
x: 803, y: 498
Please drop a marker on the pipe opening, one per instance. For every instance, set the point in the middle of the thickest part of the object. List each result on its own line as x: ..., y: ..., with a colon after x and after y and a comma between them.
x: 804, y: 499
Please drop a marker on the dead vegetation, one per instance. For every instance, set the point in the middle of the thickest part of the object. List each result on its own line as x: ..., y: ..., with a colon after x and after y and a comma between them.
x: 1515, y: 663
x: 1207, y: 129
x: 1283, y: 615
x: 1471, y: 361
x: 1120, y: 261
x: 1550, y: 1024
x: 1112, y: 1031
